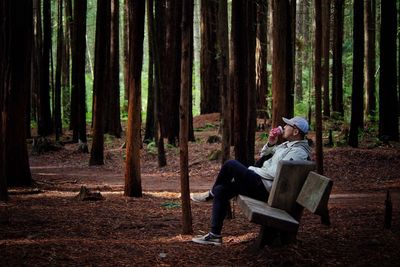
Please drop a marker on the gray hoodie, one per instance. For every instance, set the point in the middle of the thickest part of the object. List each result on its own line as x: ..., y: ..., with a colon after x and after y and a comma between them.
x: 295, y: 150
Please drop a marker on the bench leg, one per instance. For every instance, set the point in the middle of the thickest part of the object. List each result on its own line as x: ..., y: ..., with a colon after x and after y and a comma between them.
x: 266, y: 236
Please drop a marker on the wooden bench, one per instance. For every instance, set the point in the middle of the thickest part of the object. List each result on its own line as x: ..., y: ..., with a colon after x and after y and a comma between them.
x: 296, y: 187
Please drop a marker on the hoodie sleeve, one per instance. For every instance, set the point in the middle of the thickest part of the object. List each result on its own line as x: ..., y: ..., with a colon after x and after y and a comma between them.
x: 266, y: 150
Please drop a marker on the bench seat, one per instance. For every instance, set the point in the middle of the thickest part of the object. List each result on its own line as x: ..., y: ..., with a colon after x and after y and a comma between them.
x: 260, y: 213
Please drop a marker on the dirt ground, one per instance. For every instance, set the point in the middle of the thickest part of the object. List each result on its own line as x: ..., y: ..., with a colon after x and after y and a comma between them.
x: 47, y: 225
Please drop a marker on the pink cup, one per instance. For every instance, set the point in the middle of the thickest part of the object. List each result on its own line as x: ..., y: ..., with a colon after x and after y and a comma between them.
x: 277, y: 131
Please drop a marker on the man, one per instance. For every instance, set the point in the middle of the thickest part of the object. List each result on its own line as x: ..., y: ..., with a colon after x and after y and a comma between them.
x: 234, y: 178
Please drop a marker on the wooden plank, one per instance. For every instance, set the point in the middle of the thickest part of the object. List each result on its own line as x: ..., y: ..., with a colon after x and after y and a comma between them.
x: 314, y: 195
x: 259, y: 212
x: 287, y: 185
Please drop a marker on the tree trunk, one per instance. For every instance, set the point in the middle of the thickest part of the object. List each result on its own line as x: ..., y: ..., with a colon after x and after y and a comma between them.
x: 300, y: 51
x: 126, y: 55
x: 158, y: 52
x: 133, y: 184
x: 388, y: 106
x: 36, y: 59
x: 261, y: 59
x: 150, y: 125
x: 44, y: 124
x: 57, y: 89
x: 112, y: 112
x: 15, y: 58
x: 357, y: 120
x: 171, y: 92
x: 66, y: 67
x: 326, y: 21
x: 337, y: 62
x: 369, y: 95
x: 318, y: 84
x: 210, y: 95
x: 281, y: 70
x: 223, y: 70
x: 78, y: 94
x: 102, y: 48
x: 251, y: 65
x: 186, y: 73
x: 240, y: 76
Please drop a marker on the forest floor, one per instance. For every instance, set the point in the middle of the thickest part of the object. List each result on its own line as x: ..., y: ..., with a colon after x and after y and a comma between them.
x: 47, y: 225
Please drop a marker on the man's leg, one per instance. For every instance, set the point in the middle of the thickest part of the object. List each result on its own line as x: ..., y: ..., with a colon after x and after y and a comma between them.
x: 234, y: 178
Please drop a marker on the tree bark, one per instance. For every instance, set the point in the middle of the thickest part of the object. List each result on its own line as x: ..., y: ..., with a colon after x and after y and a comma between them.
x: 186, y: 73
x: 102, y: 48
x: 357, y: 120
x: 370, y: 68
x: 15, y: 58
x: 45, y: 126
x: 133, y: 186
x: 210, y: 96
x: 326, y: 21
x: 318, y: 84
x: 112, y: 112
x: 59, y: 62
x: 388, y: 106
x: 337, y: 62
x: 78, y: 94
x: 281, y: 70
x: 223, y: 70
x: 261, y: 59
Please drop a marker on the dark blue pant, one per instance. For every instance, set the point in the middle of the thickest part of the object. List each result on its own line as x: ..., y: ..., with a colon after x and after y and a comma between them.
x: 234, y: 179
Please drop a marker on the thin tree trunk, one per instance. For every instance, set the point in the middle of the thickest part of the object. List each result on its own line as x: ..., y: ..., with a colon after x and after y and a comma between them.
x: 223, y: 70
x: 66, y: 67
x: 133, y: 186
x: 149, y: 131
x: 186, y: 73
x: 57, y: 89
x: 326, y: 21
x: 388, y: 115
x: 369, y: 95
x: 261, y: 60
x: 102, y: 48
x: 45, y: 124
x: 357, y: 120
x: 337, y: 63
x: 318, y: 84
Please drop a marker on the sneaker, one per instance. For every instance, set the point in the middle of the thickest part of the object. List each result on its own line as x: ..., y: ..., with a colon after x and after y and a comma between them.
x: 201, y: 197
x: 208, y: 239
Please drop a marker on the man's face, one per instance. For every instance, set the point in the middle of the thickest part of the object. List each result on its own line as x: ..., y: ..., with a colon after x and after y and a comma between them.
x: 290, y: 132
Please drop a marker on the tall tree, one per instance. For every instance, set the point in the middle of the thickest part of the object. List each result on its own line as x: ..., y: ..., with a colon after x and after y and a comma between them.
x: 251, y: 65
x: 171, y: 92
x: 59, y: 60
x: 240, y: 77
x: 186, y: 73
x: 388, y: 105
x: 158, y: 32
x: 66, y: 66
x: 133, y: 186
x: 337, y: 54
x: 357, y: 120
x: 370, y: 97
x: 210, y: 101
x: 282, y: 76
x: 318, y: 84
x: 150, y: 116
x: 45, y: 126
x: 261, y: 59
x: 112, y: 111
x: 102, y: 57
x: 223, y: 72
x: 326, y: 21
x: 15, y: 59
x: 78, y: 94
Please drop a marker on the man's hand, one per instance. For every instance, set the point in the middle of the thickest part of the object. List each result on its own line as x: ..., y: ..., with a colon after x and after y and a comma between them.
x: 274, y: 133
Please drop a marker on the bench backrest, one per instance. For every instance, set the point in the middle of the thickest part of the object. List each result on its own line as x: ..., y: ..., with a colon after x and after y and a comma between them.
x: 290, y: 177
x: 315, y: 192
